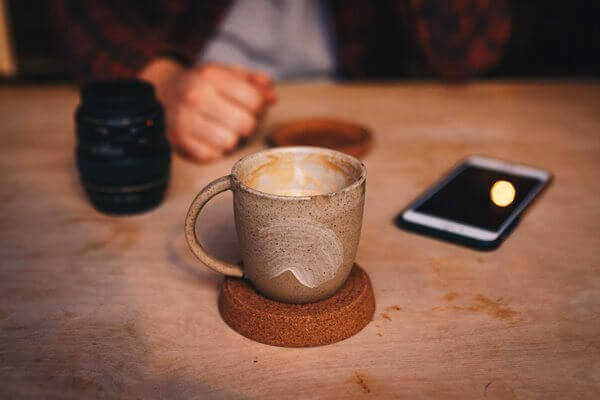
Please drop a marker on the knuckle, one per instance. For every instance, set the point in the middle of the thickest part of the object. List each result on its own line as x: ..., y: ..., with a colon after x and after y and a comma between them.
x: 252, y: 100
x: 204, y: 153
x: 255, y: 102
x: 213, y: 155
x: 248, y: 125
x: 230, y: 141
x: 244, y: 124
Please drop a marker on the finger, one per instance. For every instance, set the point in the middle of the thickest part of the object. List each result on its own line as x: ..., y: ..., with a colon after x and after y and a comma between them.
x: 188, y: 146
x: 229, y: 114
x: 256, y: 77
x: 211, y: 104
x: 234, y: 87
x: 210, y: 132
x: 262, y: 81
x: 200, y: 151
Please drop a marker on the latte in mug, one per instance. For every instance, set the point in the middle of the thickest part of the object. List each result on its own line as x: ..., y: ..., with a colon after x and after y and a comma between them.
x: 298, y: 214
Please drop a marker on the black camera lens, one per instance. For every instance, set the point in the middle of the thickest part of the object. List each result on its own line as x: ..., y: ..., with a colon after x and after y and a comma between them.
x: 122, y: 152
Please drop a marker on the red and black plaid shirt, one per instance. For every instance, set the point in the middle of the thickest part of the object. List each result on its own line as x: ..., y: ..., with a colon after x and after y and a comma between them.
x: 373, y: 39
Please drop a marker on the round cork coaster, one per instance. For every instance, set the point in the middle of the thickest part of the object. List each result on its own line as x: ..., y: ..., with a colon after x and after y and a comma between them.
x: 345, y: 136
x: 328, y: 321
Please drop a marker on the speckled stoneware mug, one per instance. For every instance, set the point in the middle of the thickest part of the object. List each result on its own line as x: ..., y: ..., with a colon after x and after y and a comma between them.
x: 298, y: 214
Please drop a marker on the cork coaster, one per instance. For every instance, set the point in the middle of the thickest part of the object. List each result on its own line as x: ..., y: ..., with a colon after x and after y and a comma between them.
x: 345, y: 136
x: 328, y: 321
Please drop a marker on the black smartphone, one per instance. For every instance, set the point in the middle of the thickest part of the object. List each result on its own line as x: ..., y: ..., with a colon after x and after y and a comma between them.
x: 477, y: 204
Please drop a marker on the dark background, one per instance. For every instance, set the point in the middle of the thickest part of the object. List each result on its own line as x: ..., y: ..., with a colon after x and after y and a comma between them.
x: 549, y: 38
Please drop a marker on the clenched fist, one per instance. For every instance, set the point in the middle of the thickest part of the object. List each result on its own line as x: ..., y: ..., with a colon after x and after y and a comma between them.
x: 209, y: 108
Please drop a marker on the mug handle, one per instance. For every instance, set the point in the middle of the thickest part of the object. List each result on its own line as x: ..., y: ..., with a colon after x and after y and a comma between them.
x: 211, y: 190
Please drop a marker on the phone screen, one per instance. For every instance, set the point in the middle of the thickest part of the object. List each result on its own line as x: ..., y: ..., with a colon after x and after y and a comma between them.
x: 479, y: 197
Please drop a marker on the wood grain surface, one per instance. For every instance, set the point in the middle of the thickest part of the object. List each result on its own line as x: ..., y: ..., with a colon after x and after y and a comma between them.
x: 93, y: 306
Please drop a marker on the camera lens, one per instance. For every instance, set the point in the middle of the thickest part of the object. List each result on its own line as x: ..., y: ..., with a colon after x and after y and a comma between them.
x: 122, y: 152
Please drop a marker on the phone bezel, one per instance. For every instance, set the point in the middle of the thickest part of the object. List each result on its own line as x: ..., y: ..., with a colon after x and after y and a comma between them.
x: 469, y: 231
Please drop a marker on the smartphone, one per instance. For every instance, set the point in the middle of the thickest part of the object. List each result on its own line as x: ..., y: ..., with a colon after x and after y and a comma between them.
x: 477, y: 204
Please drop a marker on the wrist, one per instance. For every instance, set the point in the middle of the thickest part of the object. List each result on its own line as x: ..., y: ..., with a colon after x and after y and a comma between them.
x: 161, y: 72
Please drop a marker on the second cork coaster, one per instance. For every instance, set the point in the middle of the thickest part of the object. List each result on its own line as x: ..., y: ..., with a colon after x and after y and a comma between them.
x: 344, y: 136
x: 328, y: 321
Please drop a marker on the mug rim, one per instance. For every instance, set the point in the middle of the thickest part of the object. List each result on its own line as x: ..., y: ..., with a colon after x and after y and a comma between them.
x: 290, y: 149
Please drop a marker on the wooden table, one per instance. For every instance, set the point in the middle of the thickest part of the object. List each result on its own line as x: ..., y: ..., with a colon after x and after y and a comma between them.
x: 97, y: 306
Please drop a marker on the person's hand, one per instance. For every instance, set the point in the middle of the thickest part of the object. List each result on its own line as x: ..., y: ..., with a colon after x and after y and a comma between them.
x: 209, y: 108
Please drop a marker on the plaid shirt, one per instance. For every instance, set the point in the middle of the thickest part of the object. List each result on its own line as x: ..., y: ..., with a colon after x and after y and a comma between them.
x: 373, y: 39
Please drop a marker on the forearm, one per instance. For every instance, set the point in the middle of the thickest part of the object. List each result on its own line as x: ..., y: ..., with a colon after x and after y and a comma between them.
x: 161, y: 72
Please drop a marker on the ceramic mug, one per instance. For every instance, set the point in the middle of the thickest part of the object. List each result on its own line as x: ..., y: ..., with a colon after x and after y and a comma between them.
x: 298, y: 215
